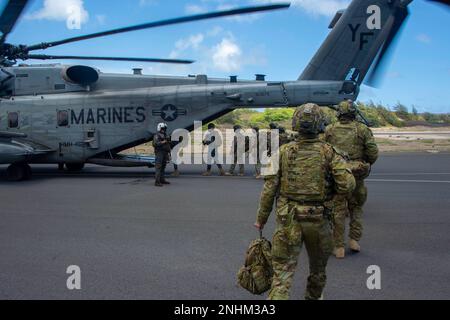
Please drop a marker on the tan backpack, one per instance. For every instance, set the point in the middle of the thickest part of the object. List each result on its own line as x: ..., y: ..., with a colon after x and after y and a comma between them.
x: 257, y: 273
x: 347, y: 138
x: 305, y: 172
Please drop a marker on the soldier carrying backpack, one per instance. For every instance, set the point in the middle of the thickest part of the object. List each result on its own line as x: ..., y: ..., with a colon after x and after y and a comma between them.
x: 311, y: 173
x: 256, y: 275
x: 356, y: 140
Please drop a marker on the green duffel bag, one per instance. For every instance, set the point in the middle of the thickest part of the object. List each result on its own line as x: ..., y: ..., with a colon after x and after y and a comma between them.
x: 257, y: 273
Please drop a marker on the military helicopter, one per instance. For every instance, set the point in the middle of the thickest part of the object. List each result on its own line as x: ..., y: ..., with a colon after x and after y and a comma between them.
x: 71, y: 115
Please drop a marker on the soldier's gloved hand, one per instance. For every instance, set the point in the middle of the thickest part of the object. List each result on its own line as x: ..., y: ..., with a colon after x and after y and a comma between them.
x: 259, y: 226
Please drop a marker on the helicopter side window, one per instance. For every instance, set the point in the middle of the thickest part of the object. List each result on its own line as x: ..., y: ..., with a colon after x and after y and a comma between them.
x: 13, y: 120
x: 63, y: 118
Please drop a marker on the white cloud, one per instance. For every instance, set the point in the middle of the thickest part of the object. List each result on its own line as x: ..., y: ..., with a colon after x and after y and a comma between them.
x: 227, y: 55
x: 423, y: 38
x: 193, y: 42
x: 60, y: 10
x: 215, y: 50
x: 315, y: 7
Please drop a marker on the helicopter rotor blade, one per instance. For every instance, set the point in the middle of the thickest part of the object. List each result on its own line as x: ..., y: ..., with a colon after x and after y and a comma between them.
x: 376, y: 73
x: 197, y: 17
x: 400, y: 17
x: 53, y: 57
x: 10, y: 15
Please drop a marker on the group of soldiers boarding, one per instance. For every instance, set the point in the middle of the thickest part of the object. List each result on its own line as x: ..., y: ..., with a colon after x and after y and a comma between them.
x: 320, y: 182
x: 163, y: 145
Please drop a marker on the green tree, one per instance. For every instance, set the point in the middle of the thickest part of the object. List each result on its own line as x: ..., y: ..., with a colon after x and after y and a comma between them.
x: 402, y: 111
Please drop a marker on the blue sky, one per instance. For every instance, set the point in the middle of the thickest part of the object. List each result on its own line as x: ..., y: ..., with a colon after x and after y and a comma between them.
x: 278, y: 44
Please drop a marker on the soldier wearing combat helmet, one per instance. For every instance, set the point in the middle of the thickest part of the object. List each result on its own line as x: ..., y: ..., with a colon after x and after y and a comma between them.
x: 357, y: 141
x: 310, y: 174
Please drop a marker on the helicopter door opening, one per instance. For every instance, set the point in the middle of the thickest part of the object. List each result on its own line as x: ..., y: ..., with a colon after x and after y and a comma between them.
x: 13, y: 120
x: 92, y: 138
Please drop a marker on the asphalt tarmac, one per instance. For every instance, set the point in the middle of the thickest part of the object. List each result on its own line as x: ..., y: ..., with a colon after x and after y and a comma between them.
x: 187, y: 241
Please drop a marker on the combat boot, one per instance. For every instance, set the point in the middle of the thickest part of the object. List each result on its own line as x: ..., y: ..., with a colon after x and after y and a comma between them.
x: 339, y: 253
x: 176, y: 173
x: 207, y: 173
x: 354, y: 245
x: 165, y: 182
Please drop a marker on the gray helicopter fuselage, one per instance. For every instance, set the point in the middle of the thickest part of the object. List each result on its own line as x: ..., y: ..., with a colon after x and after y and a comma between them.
x: 73, y: 122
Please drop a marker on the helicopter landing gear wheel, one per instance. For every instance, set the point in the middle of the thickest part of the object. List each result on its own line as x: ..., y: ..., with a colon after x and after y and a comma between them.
x: 74, y: 167
x: 18, y: 172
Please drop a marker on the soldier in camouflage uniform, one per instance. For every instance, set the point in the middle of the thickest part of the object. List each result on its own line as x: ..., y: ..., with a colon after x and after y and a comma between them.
x: 212, y: 137
x: 357, y: 141
x: 258, y: 165
x: 272, y: 126
x: 238, y: 134
x: 311, y: 173
x: 285, y: 137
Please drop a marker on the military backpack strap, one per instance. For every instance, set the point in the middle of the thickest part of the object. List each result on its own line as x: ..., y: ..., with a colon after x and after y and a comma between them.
x: 329, y: 161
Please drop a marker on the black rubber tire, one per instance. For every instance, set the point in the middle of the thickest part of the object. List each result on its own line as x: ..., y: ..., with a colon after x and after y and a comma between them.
x: 74, y: 167
x: 28, y: 172
x: 17, y: 172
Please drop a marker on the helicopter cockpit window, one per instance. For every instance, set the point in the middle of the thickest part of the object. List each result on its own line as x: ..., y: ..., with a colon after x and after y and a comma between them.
x: 63, y: 118
x: 13, y: 120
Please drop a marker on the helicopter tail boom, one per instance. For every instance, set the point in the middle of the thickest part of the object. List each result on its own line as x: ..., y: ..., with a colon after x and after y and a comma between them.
x: 359, y: 34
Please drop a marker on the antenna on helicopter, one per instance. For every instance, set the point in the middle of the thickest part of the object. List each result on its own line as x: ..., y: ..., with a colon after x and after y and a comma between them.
x: 9, y: 53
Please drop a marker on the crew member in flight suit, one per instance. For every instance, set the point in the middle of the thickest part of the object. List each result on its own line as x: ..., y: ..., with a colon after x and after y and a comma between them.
x: 162, y: 145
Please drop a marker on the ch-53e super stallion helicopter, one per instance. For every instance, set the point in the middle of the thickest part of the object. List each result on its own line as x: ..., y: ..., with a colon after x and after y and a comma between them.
x: 72, y: 115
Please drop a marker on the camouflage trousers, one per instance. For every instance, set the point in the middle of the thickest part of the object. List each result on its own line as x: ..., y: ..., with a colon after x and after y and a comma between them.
x: 351, y: 207
x: 291, y: 234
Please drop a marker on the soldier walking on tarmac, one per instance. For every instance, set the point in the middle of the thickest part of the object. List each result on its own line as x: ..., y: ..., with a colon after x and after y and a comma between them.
x: 212, y: 140
x: 310, y: 174
x: 238, y: 135
x: 356, y: 140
